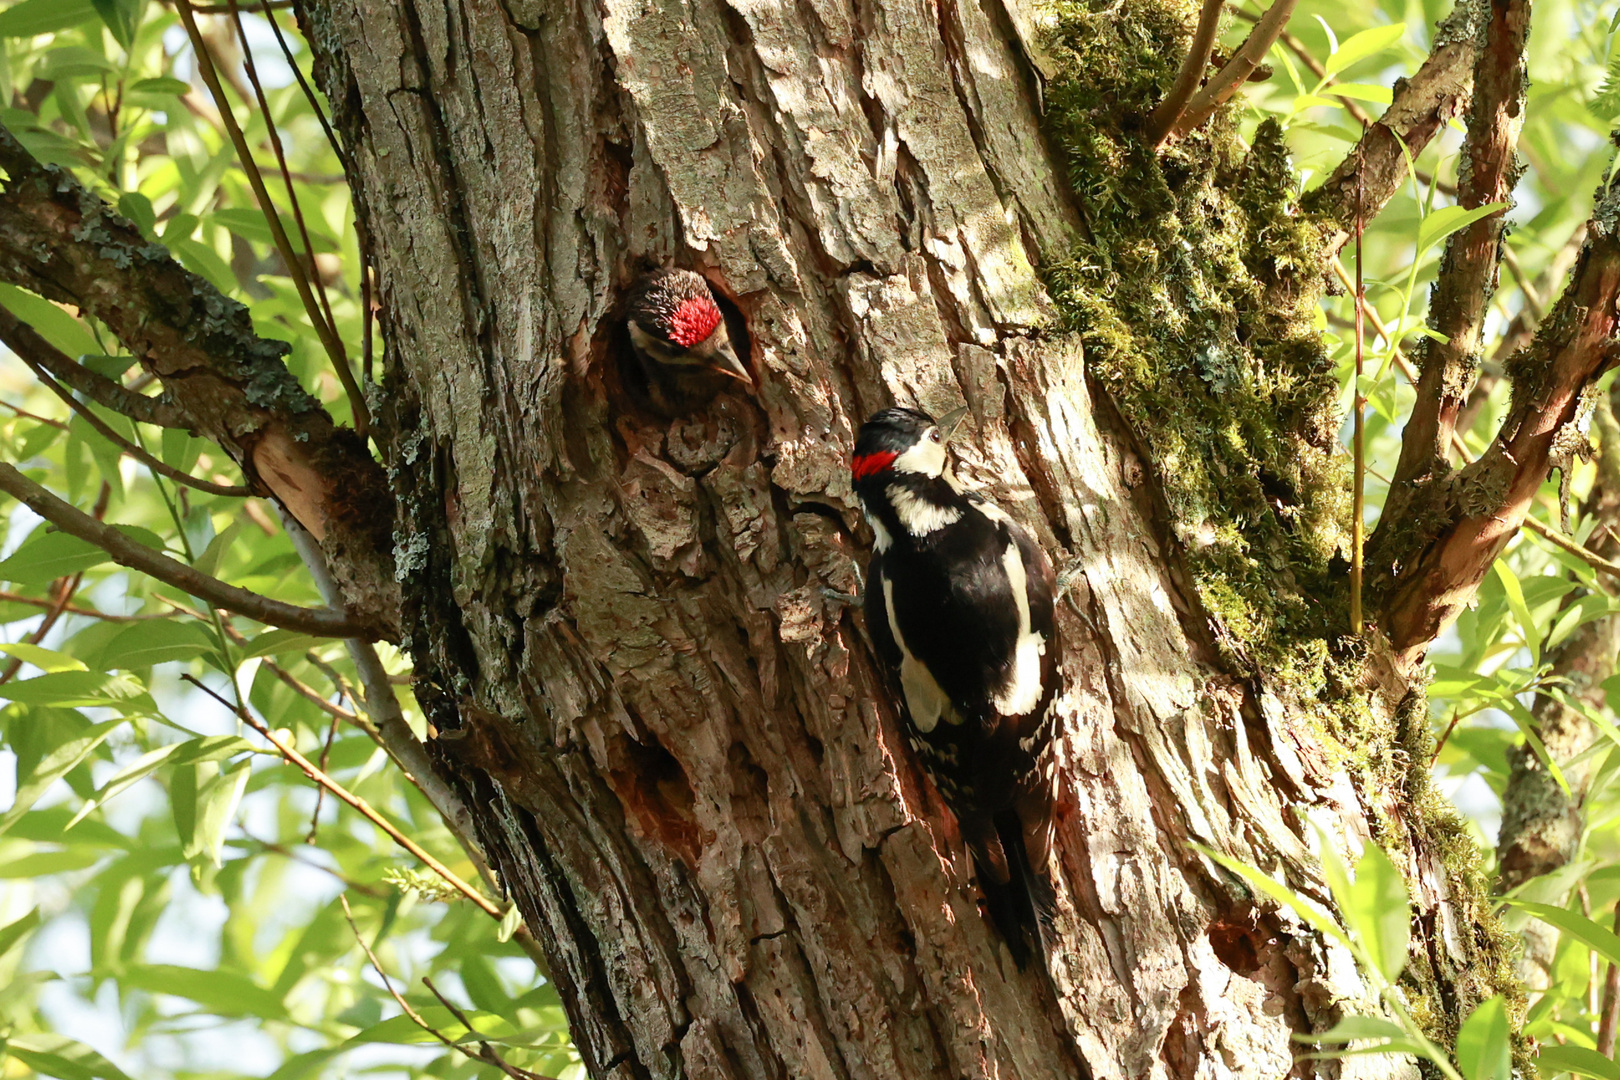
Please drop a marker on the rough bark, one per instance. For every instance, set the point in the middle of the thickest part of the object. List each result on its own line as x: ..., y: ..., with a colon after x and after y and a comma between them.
x: 681, y: 760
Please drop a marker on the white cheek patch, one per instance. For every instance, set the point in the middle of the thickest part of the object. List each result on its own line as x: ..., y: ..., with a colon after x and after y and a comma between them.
x: 918, y: 516
x: 1022, y: 690
x: 925, y: 698
x: 927, y: 458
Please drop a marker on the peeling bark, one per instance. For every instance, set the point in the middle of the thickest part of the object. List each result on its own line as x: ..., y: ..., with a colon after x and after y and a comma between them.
x: 678, y: 750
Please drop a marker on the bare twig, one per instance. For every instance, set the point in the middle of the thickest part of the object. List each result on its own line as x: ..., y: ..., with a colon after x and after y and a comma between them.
x: 74, y: 609
x: 311, y: 770
x: 309, y: 96
x: 326, y: 758
x: 1237, y: 70
x: 1609, y: 1011
x: 157, y: 465
x: 289, y: 853
x: 1163, y: 118
x: 1297, y: 47
x: 486, y: 1053
x: 489, y: 1054
x: 1468, y: 267
x: 295, y: 269
x: 35, y: 351
x: 1359, y: 447
x: 136, y: 556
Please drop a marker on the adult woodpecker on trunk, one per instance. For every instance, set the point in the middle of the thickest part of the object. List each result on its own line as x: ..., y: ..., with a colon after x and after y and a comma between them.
x: 679, y: 339
x: 959, y: 605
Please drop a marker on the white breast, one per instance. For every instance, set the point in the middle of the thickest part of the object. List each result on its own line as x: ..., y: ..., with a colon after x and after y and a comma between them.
x: 1022, y: 690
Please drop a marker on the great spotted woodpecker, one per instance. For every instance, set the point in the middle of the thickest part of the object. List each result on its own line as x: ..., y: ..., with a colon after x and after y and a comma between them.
x: 682, y: 347
x: 959, y: 603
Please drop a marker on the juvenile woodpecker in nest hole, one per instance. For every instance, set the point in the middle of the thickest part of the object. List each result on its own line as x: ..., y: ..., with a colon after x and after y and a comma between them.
x: 678, y: 335
x: 959, y: 601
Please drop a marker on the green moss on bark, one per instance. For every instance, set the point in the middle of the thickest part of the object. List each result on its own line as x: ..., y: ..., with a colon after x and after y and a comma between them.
x: 1196, y: 290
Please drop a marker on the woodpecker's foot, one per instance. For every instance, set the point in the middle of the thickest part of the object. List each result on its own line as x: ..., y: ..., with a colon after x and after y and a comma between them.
x: 840, y: 599
x: 1068, y: 576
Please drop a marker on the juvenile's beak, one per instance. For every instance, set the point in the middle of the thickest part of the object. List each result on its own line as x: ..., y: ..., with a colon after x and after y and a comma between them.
x: 948, y: 423
x: 726, y: 363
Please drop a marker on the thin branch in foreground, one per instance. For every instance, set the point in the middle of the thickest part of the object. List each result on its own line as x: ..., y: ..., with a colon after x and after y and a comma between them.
x: 295, y: 269
x: 1237, y: 70
x: 1163, y: 118
x: 486, y: 1053
x: 74, y: 609
x: 70, y: 519
x: 141, y: 454
x: 366, y: 810
x: 35, y: 351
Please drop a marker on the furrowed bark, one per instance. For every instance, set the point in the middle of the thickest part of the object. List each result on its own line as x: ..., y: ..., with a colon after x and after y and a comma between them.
x: 1376, y: 166
x: 677, y: 752
x: 64, y: 243
x: 1488, y: 173
x: 1430, y: 561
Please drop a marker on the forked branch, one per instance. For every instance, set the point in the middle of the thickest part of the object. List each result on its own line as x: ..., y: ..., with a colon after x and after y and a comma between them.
x: 1237, y: 70
x: 1164, y: 117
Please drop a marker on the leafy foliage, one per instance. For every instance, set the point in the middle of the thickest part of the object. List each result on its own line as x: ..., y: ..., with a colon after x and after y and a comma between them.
x: 168, y: 884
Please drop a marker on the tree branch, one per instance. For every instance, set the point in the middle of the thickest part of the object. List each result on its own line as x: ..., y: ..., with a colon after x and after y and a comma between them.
x: 64, y: 243
x: 1163, y: 118
x: 34, y: 350
x: 1422, y: 107
x: 1468, y: 269
x: 1431, y: 557
x: 136, y: 556
x: 1237, y: 70
x: 20, y: 345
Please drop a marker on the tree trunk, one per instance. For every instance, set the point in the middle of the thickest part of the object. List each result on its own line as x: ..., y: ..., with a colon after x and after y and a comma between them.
x: 677, y: 751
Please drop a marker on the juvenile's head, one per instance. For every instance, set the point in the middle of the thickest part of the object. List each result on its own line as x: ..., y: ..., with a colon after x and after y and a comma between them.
x: 674, y: 321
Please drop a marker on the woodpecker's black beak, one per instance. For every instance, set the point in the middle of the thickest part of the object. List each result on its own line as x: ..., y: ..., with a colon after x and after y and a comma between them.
x: 726, y: 363
x: 948, y: 423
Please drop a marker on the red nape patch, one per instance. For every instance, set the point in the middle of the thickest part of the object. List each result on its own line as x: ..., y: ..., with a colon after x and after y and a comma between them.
x: 693, y: 321
x: 868, y: 464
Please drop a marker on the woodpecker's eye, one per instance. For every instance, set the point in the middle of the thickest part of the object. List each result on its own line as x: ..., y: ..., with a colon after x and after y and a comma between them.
x: 933, y: 433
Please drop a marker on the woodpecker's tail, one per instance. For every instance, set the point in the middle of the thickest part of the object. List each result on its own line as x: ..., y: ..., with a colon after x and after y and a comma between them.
x: 1019, y: 897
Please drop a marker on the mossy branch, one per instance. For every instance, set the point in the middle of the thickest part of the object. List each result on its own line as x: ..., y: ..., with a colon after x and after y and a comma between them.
x: 1468, y: 269
x: 1423, y: 105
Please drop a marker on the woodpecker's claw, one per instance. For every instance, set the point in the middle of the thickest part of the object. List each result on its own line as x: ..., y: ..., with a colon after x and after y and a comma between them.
x: 842, y: 598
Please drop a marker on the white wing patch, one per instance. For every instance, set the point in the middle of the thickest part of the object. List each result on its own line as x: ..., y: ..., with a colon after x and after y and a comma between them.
x: 1022, y: 690
x: 881, y: 540
x: 925, y: 698
x: 917, y: 515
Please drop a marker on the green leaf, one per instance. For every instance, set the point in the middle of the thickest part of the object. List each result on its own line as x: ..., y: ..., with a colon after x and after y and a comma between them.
x: 216, y: 806
x: 120, y: 20
x: 1378, y: 912
x: 163, y: 84
x: 138, y: 209
x: 1305, y: 908
x: 13, y: 932
x: 81, y: 689
x: 47, y: 555
x: 33, y: 17
x: 223, y: 992
x: 279, y: 643
x: 1521, y: 610
x: 1599, y: 939
x: 1483, y: 1050
x: 54, y: 765
x: 1441, y: 223
x: 1378, y: 95
x: 54, y: 325
x: 1360, y: 46
x: 59, y: 1056
x: 47, y: 660
x: 1579, y: 1060
x: 41, y: 863
x: 190, y: 752
x: 156, y: 641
